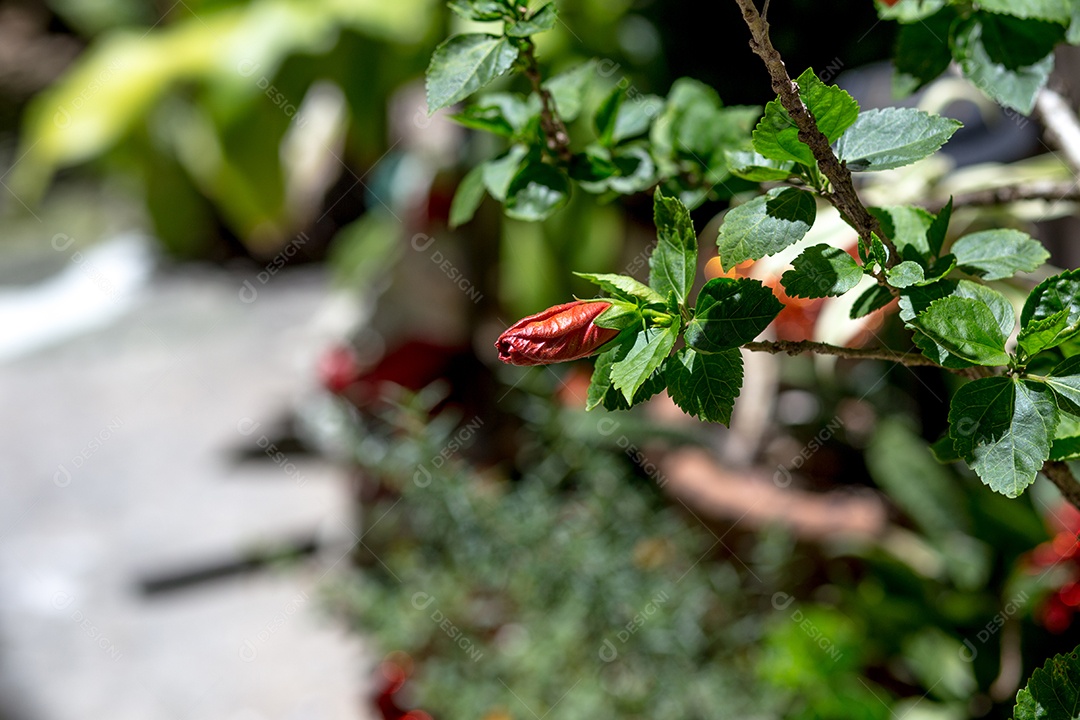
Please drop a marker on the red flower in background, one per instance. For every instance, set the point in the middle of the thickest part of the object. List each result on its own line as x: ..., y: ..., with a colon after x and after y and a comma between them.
x: 393, y: 672
x: 1056, y: 612
x: 561, y: 333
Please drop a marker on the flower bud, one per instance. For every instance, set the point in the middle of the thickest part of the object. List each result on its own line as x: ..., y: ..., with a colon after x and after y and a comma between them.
x: 564, y: 332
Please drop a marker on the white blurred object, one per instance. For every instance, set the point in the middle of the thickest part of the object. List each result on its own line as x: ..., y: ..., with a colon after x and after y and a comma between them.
x: 95, y: 288
x: 312, y: 148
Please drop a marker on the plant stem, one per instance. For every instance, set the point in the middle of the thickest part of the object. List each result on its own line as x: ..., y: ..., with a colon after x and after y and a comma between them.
x: 842, y: 195
x: 558, y: 139
x: 798, y: 347
x: 1059, y: 473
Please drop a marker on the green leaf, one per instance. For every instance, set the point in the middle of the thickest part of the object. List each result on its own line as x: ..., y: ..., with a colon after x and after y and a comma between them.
x: 905, y: 274
x: 498, y: 173
x: 922, y: 49
x: 893, y: 137
x: 480, y: 10
x: 1007, y: 58
x: 777, y: 137
x: 821, y: 271
x: 1051, y: 296
x: 754, y: 166
x: 908, y: 227
x: 705, y: 385
x: 943, y: 450
x: 1057, y: 11
x: 489, y: 119
x: 966, y: 329
x: 593, y: 166
x: 648, y: 351
x: 693, y: 127
x: 998, y: 304
x: 634, y: 116
x: 1066, y: 439
x: 935, y: 234
x: 463, y: 64
x: 730, y: 312
x: 687, y: 119
x: 875, y: 298
x: 1053, y: 692
x: 517, y: 110
x: 834, y: 110
x: 540, y: 21
x: 620, y: 316
x: 941, y: 267
x: 673, y: 264
x: 568, y: 89
x: 1039, y: 335
x: 624, y: 287
x: 1003, y: 428
x: 909, y: 11
x: 997, y: 254
x: 636, y: 170
x: 467, y: 198
x: 765, y: 225
x: 1064, y: 380
x: 537, y: 191
x: 600, y: 390
x: 606, y: 116
x: 877, y: 253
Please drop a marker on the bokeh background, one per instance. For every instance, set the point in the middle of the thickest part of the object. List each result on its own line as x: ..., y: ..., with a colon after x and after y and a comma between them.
x: 258, y: 460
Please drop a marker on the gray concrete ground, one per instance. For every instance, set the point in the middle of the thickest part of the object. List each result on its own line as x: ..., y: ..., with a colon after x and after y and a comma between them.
x: 117, y: 463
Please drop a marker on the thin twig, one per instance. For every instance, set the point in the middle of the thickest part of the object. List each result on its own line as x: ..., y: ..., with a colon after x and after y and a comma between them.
x: 843, y: 194
x: 558, y: 139
x: 798, y: 347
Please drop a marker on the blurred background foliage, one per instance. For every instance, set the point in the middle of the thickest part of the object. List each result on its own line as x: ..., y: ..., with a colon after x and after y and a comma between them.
x: 227, y: 130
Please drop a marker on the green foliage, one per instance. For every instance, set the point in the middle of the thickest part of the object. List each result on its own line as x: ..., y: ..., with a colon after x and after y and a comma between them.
x: 642, y: 354
x: 197, y: 109
x: 1003, y: 428
x: 960, y: 332
x: 467, y: 198
x: 576, y: 585
x: 686, y: 145
x: 463, y: 64
x: 730, y: 312
x: 777, y: 137
x: 1004, y: 48
x: 893, y: 137
x: 704, y: 384
x: 872, y: 299
x: 1053, y: 692
x: 1008, y: 58
x: 765, y: 225
x: 998, y: 254
x: 822, y: 271
x: 536, y: 191
x: 673, y: 264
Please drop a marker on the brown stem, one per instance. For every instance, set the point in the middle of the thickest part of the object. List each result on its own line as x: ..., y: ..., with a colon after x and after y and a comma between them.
x: 1059, y: 473
x: 798, y: 347
x: 843, y: 195
x: 558, y: 139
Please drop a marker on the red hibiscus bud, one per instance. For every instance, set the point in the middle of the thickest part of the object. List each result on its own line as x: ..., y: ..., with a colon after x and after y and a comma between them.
x: 564, y: 332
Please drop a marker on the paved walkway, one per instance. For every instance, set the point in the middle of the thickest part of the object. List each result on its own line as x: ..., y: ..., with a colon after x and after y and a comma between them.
x: 118, y: 464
